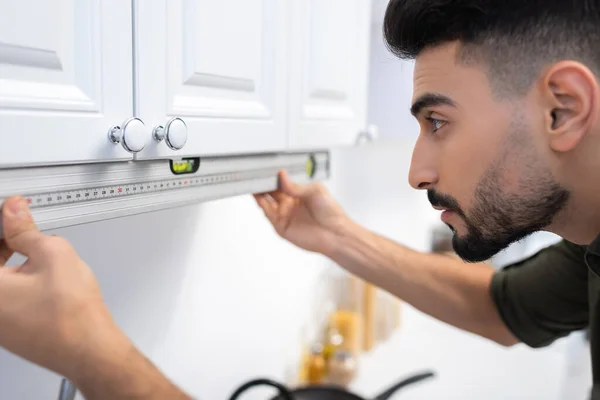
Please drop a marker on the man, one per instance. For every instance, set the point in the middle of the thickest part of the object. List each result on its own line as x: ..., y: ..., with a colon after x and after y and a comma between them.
x: 507, y: 95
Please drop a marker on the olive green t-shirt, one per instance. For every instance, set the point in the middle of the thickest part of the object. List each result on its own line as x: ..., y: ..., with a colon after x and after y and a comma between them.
x: 551, y: 294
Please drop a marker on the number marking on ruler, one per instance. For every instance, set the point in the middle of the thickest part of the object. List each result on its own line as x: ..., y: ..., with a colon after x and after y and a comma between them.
x: 54, y: 198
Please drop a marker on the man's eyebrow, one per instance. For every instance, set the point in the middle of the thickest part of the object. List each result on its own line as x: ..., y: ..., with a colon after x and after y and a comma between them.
x: 430, y: 100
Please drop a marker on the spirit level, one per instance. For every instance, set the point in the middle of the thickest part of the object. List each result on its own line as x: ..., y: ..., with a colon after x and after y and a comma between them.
x: 61, y: 196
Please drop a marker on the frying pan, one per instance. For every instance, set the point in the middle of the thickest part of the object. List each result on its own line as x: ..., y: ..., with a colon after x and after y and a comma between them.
x: 325, y: 392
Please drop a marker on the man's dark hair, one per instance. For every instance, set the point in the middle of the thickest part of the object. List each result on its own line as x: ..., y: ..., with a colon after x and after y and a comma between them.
x: 514, y: 39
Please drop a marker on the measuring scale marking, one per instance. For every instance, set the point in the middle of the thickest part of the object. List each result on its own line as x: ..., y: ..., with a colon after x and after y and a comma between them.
x: 155, y: 186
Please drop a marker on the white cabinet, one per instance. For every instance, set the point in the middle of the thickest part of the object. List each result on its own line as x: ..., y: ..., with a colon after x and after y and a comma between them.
x: 65, y: 78
x: 244, y: 76
x: 220, y: 66
x: 329, y: 72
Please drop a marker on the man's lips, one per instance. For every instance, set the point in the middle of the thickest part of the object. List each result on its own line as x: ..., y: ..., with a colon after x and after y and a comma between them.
x: 446, y: 213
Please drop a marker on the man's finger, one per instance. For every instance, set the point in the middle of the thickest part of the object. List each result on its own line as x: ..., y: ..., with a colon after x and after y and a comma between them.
x: 4, y: 273
x: 293, y: 189
x: 289, y: 187
x: 279, y: 196
x: 269, y: 207
x: 286, y: 205
x: 20, y: 231
x: 5, y: 253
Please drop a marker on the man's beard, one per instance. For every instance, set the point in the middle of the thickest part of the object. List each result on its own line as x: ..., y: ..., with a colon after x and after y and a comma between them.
x: 499, y: 219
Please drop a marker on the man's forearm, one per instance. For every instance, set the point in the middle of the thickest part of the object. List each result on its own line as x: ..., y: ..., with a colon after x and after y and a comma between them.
x: 120, y: 372
x: 445, y: 288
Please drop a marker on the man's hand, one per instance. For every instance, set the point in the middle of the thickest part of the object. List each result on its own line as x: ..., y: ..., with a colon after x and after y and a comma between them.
x: 51, y: 309
x: 305, y: 215
x: 52, y: 314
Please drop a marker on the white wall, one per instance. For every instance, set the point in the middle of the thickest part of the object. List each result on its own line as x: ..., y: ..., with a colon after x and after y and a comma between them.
x: 390, y: 86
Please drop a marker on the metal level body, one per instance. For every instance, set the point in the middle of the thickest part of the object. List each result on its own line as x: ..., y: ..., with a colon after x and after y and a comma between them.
x: 68, y: 195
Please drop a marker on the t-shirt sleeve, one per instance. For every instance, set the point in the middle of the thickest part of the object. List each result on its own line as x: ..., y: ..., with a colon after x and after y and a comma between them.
x: 544, y: 297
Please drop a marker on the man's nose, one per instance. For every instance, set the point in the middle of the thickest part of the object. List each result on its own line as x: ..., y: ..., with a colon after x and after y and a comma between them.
x: 423, y: 173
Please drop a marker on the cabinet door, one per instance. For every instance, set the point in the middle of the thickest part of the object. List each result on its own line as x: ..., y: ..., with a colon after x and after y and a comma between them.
x: 329, y: 72
x: 220, y: 66
x: 65, y: 78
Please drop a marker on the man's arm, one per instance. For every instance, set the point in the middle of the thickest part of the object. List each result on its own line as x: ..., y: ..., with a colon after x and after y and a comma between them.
x: 534, y: 301
x: 122, y: 373
x: 544, y: 297
x: 52, y: 314
x: 443, y: 287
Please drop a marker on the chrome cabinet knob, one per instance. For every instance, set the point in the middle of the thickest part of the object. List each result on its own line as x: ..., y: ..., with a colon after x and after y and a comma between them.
x: 132, y: 135
x: 174, y: 134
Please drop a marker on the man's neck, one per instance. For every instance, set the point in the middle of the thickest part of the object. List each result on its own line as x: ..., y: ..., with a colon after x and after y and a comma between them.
x: 579, y: 222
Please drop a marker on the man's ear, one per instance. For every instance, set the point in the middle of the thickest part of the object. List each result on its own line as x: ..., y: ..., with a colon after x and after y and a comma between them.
x: 571, y: 93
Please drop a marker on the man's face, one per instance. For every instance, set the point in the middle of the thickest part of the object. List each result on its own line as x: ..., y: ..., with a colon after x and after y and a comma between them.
x: 483, y: 159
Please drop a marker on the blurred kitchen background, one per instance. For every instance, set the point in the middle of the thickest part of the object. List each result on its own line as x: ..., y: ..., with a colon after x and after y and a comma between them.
x: 215, y: 298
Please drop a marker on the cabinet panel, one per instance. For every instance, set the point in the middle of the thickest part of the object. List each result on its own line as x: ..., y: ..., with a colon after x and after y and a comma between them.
x: 219, y: 66
x: 65, y: 78
x: 329, y: 71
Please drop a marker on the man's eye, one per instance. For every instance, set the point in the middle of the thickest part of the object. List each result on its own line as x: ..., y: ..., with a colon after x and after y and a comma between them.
x: 437, y: 124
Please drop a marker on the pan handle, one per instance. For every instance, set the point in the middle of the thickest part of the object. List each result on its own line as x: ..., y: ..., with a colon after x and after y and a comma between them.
x: 408, y: 381
x: 283, y: 391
